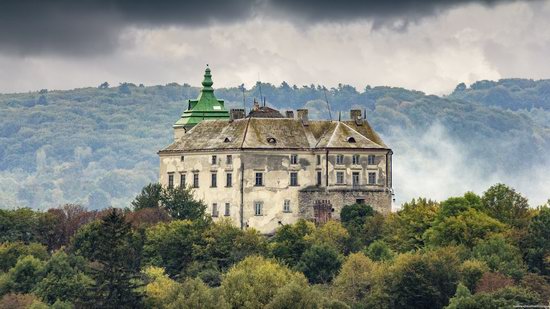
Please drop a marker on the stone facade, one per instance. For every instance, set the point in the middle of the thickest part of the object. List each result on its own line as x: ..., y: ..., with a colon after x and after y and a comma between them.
x: 266, y: 170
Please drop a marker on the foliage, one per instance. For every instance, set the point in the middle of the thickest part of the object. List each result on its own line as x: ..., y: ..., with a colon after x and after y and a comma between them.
x: 506, y: 205
x: 504, y: 298
x: 289, y: 242
x: 149, y: 197
x: 180, y: 204
x: 254, y: 282
x: 471, y: 272
x: 357, y: 280
x: 490, y: 282
x: 379, y: 251
x: 466, y: 228
x: 500, y: 256
x: 171, y: 244
x: 11, y: 251
x: 23, y: 277
x: 320, y: 263
x: 117, y: 261
x: 331, y: 233
x: 404, y: 230
x: 536, y: 245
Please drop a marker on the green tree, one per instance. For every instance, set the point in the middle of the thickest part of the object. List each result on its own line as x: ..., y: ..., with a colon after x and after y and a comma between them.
x: 536, y: 245
x: 331, y: 233
x: 404, y: 230
x: 289, y: 242
x: 505, y: 298
x: 117, y: 262
x: 181, y: 205
x: 149, y: 197
x: 501, y: 256
x: 471, y: 272
x: 23, y: 277
x: 64, y: 279
x: 320, y: 263
x: 11, y: 251
x: 506, y: 205
x: 171, y: 245
x: 466, y: 228
x: 254, y: 282
x: 294, y: 295
x: 423, y: 280
x: 379, y: 251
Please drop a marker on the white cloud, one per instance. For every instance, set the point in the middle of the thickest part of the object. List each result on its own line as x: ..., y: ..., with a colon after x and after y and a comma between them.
x: 464, y: 44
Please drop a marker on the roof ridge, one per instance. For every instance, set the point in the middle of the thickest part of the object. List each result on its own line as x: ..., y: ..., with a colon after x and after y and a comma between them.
x: 245, y: 131
x: 333, y: 132
x: 362, y: 135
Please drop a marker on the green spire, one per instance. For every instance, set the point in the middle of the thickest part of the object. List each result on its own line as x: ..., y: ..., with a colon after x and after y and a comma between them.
x: 205, y: 107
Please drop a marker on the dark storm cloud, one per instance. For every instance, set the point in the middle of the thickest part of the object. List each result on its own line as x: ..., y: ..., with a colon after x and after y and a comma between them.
x: 93, y: 26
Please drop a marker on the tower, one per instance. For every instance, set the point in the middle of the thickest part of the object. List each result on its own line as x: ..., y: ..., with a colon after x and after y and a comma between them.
x: 205, y: 107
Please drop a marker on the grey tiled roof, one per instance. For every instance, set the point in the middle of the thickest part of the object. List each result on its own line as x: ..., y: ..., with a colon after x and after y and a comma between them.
x: 260, y: 133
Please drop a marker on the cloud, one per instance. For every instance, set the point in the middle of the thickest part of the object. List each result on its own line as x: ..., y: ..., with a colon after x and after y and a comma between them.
x: 94, y: 27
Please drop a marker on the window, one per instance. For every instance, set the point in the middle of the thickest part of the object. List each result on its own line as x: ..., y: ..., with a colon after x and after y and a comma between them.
x: 227, y: 209
x: 229, y: 180
x: 214, y: 210
x: 258, y: 208
x: 355, y: 179
x: 214, y: 180
x: 227, y: 140
x: 195, y: 180
x: 355, y: 160
x: 351, y: 139
x: 182, y: 180
x: 294, y: 159
x: 294, y: 179
x: 360, y: 201
x: 339, y: 159
x: 182, y: 158
x: 214, y: 159
x: 319, y: 178
x: 229, y: 160
x: 339, y: 177
x: 370, y: 159
x: 259, y: 179
x: 271, y: 140
x: 372, y: 178
x: 318, y: 159
x: 170, y: 181
x: 286, y: 206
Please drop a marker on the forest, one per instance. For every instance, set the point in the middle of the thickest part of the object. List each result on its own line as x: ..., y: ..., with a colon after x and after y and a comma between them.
x: 97, y: 146
x: 470, y: 251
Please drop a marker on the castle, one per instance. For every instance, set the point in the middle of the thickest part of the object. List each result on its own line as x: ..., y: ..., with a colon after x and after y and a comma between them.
x: 266, y: 169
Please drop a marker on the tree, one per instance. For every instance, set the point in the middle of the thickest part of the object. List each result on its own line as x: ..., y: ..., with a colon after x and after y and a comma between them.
x: 294, y: 295
x: 149, y: 197
x: 357, y: 280
x: 466, y: 228
x: 23, y: 277
x: 104, y: 85
x: 64, y: 279
x: 506, y: 205
x: 117, y: 262
x: 289, y: 242
x: 320, y: 263
x: 379, y: 251
x: 171, y: 245
x: 254, y: 282
x: 536, y: 245
x: 147, y: 217
x: 501, y: 256
x: 471, y: 272
x: 10, y: 252
x: 404, y: 230
x: 180, y: 204
x: 331, y: 233
x: 354, y: 216
x: 505, y: 298
x: 491, y: 282
x: 423, y: 280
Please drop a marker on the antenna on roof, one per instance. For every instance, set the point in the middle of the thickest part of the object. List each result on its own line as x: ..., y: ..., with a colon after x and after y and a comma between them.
x: 244, y: 99
x: 340, y: 116
x: 264, y: 101
x: 260, y: 85
x: 328, y: 105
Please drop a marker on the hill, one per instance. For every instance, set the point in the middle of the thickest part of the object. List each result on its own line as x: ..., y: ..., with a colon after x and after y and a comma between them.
x: 97, y: 146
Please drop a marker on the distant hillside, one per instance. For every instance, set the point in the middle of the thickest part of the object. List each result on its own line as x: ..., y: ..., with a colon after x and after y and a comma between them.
x: 98, y: 147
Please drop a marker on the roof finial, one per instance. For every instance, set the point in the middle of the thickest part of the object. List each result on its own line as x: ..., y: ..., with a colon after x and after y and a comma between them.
x: 207, y: 82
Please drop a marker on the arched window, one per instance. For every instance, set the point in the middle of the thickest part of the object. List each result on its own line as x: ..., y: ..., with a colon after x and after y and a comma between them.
x: 271, y: 140
x: 351, y: 139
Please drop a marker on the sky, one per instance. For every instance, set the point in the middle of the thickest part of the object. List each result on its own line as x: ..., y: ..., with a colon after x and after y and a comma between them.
x: 425, y: 45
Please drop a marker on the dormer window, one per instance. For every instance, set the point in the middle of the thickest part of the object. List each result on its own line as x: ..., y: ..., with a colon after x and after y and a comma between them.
x: 271, y: 140
x: 351, y: 139
x: 227, y: 140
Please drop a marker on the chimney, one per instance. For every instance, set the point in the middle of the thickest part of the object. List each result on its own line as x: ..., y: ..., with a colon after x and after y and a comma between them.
x: 302, y: 115
x: 290, y: 114
x: 355, y: 115
x: 236, y: 113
